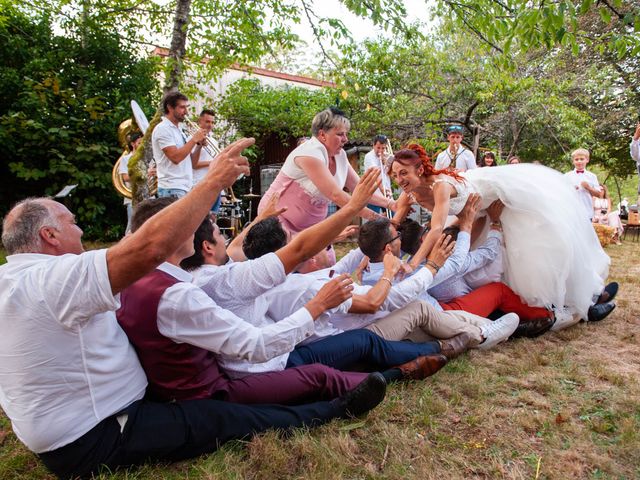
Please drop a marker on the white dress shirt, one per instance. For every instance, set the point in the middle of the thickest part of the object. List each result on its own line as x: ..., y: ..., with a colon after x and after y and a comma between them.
x: 585, y: 197
x: 238, y: 287
x: 423, y: 276
x: 170, y: 175
x: 186, y: 314
x: 65, y: 363
x: 465, y: 160
x: 479, y: 262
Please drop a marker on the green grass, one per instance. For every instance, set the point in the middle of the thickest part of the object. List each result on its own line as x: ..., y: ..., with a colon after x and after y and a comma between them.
x: 561, y: 406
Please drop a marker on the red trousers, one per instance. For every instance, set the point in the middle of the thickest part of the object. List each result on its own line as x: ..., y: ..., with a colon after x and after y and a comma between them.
x: 495, y: 296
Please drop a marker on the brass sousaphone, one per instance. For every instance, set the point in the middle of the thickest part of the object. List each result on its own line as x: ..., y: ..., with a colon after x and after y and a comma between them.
x: 139, y: 123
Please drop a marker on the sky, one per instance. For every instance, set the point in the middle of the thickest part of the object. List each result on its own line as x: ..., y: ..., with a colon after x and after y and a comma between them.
x: 360, y: 28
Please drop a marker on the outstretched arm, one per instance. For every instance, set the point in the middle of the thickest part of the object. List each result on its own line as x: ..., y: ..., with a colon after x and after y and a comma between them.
x: 313, y: 239
x: 319, y: 174
x: 441, y: 194
x: 139, y: 253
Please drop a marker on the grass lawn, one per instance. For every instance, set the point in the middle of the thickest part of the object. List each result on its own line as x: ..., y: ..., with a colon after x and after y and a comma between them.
x: 562, y: 406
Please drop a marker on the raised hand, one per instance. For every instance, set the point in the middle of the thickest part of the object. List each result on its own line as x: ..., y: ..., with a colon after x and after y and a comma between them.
x: 391, y: 264
x: 271, y: 209
x: 442, y: 250
x: 495, y: 210
x: 369, y: 183
x: 332, y: 294
x: 229, y: 163
x: 350, y: 231
x: 468, y: 213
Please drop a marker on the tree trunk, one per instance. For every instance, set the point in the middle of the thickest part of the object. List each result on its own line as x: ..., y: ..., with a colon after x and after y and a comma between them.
x: 173, y: 73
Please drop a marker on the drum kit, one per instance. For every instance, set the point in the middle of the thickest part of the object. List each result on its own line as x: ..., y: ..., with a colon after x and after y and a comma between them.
x: 232, y: 214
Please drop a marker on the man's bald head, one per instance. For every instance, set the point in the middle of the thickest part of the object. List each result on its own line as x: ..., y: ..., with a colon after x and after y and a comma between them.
x: 21, y: 226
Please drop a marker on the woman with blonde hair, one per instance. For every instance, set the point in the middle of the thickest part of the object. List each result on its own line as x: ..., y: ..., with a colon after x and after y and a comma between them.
x: 316, y: 173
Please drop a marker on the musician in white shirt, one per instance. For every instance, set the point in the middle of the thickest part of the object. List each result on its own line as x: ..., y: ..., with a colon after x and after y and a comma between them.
x: 377, y: 158
x: 201, y: 157
x: 171, y: 150
x: 456, y: 155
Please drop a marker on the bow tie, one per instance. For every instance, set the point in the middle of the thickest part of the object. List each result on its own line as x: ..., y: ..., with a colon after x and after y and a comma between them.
x: 579, y: 171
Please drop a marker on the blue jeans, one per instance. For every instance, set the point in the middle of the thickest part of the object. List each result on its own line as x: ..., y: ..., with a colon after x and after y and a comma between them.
x: 356, y: 347
x: 171, y: 192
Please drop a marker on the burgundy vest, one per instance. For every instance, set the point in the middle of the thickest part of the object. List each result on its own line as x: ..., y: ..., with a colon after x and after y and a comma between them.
x: 175, y: 371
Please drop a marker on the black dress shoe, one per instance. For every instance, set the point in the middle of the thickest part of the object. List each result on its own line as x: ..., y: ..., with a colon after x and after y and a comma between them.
x: 369, y: 393
x: 533, y: 328
x: 609, y: 293
x: 600, y: 311
x: 454, y: 346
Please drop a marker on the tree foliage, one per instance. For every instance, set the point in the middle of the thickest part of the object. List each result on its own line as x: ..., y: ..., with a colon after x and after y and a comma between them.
x: 260, y: 111
x: 63, y: 98
x: 514, y: 25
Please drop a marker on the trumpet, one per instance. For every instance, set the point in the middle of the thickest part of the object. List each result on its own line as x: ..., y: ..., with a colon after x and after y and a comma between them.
x: 208, y: 145
x: 388, y: 153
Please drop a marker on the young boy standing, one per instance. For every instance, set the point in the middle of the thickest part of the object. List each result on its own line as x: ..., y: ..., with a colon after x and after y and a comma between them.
x: 585, y: 182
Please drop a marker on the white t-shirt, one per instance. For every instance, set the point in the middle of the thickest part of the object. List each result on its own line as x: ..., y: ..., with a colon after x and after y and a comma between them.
x: 123, y: 169
x: 314, y: 148
x: 65, y: 363
x: 465, y: 160
x: 634, y: 150
x: 171, y: 175
x: 372, y: 160
x: 200, y: 173
x: 576, y: 180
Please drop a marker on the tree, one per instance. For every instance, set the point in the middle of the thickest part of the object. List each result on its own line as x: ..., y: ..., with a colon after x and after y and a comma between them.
x: 520, y: 25
x: 63, y: 98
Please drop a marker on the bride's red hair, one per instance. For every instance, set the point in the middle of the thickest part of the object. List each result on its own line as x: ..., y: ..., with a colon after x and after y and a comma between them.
x: 415, y: 155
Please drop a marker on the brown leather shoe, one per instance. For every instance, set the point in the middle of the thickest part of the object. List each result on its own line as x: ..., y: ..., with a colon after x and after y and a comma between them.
x: 423, y: 367
x: 454, y: 346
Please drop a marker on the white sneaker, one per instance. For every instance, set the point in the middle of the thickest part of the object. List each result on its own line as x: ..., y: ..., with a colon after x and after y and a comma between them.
x: 564, y: 319
x: 498, y: 330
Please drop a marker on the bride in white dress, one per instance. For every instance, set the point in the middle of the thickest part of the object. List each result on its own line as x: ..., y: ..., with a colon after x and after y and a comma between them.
x: 552, y: 255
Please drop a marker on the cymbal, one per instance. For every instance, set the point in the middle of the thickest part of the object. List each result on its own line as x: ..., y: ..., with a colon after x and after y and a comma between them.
x: 251, y: 195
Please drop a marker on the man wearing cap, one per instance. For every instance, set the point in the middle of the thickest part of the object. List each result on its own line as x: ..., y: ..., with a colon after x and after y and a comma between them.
x: 456, y: 155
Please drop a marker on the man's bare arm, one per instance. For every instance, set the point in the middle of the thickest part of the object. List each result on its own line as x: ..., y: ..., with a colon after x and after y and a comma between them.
x: 315, y: 238
x: 139, y: 253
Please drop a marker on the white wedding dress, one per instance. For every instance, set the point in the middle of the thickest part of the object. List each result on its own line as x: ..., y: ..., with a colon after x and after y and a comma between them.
x: 552, y: 255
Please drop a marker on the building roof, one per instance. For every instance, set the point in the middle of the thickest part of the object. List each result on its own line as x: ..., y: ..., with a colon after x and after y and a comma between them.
x: 164, y: 52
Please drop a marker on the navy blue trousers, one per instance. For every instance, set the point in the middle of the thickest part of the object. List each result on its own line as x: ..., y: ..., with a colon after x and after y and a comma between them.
x: 175, y: 431
x: 358, y: 347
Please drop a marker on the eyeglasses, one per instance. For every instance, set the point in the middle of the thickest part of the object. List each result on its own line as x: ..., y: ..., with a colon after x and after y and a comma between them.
x: 394, y: 239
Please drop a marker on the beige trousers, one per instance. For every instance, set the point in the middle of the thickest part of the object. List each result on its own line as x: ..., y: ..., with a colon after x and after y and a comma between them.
x: 421, y: 322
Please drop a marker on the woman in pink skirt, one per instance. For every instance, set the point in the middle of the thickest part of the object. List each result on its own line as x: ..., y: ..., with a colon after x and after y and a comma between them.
x: 316, y: 173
